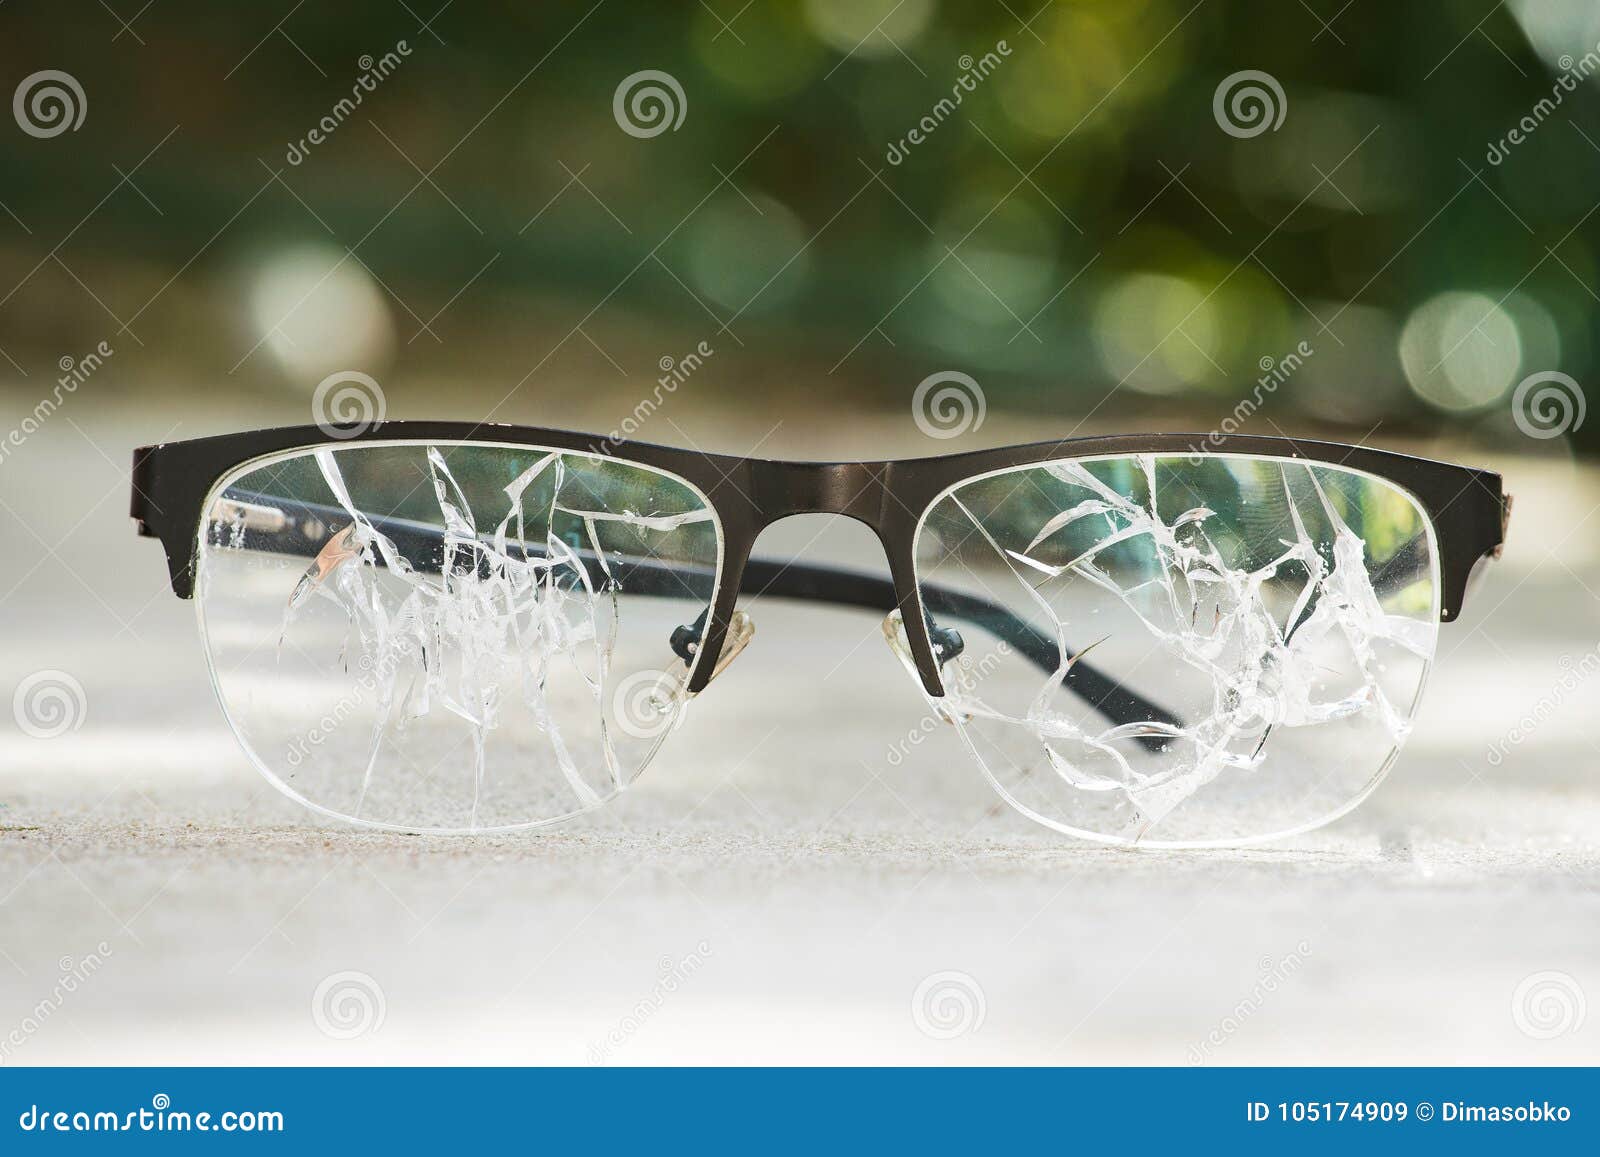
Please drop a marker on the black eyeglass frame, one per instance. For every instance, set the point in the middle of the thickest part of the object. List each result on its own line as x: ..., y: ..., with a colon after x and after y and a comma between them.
x: 1467, y: 507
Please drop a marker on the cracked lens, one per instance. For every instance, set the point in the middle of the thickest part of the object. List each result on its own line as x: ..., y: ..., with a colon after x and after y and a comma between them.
x: 443, y: 636
x: 1281, y: 614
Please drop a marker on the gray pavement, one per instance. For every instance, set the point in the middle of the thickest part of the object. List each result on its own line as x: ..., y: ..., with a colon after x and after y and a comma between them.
x: 776, y: 888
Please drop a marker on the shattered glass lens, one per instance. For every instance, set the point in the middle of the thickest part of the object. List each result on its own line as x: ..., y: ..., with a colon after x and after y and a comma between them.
x: 1264, y: 627
x: 453, y: 636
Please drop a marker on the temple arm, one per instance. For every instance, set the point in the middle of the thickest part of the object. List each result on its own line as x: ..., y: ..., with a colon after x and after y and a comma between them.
x: 828, y: 584
x: 289, y: 526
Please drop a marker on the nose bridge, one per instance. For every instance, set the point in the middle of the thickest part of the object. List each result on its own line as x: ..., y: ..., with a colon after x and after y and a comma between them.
x: 853, y: 489
x: 856, y: 490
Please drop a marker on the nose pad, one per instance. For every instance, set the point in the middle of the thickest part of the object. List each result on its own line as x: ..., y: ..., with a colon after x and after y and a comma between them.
x: 894, y: 633
x: 741, y: 629
x: 947, y: 645
x: 686, y: 641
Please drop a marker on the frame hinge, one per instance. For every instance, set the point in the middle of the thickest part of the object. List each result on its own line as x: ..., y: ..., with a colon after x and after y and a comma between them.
x: 1505, y: 524
x: 140, y: 505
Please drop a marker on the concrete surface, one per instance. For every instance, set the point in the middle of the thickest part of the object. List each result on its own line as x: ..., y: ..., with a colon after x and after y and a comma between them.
x: 778, y: 887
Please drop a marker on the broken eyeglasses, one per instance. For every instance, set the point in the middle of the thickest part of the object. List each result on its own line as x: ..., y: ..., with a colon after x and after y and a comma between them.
x: 1163, y: 639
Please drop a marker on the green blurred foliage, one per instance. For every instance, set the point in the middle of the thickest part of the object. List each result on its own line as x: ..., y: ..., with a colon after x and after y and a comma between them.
x: 1080, y: 221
